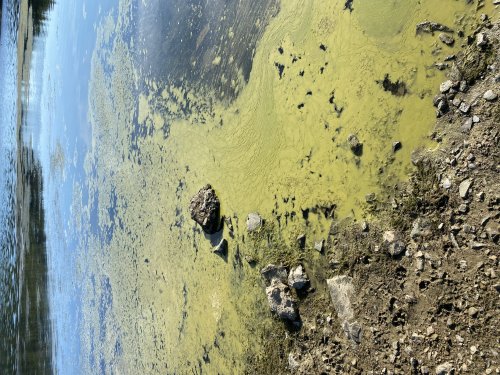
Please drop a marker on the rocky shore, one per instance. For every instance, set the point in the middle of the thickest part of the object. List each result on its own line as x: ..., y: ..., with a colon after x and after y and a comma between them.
x: 416, y: 290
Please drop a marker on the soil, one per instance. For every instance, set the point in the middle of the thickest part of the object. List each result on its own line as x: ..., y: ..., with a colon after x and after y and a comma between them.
x: 435, y: 308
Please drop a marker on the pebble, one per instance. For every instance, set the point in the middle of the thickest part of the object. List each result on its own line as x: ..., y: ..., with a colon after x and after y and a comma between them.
x: 464, y: 187
x: 319, y: 245
x: 464, y: 107
x: 445, y: 86
x: 467, y: 126
x: 254, y: 222
x: 481, y: 39
x: 475, y: 119
x: 490, y: 95
x: 444, y: 369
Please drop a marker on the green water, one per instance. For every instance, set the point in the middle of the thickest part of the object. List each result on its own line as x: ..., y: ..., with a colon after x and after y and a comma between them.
x: 160, y: 300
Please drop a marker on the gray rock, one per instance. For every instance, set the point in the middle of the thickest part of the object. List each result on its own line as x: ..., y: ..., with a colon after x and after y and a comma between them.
x: 254, y: 222
x: 319, y: 245
x: 422, y: 228
x: 292, y: 362
x: 464, y: 107
x: 353, y: 331
x: 355, y: 145
x: 393, y: 243
x: 475, y: 119
x: 430, y: 27
x: 271, y: 272
x: 281, y: 302
x: 481, y: 40
x: 301, y: 241
x: 446, y: 39
x: 341, y: 291
x: 464, y: 187
x: 467, y: 125
x: 221, y: 248
x: 297, y: 278
x: 205, y: 209
x: 490, y: 95
x: 396, y: 146
x: 444, y: 369
x: 445, y: 86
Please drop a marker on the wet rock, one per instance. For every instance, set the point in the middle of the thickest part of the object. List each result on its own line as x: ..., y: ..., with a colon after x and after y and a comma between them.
x: 490, y: 95
x: 254, y: 222
x: 221, y: 248
x: 205, y: 209
x: 464, y: 187
x: 271, y: 272
x: 281, y: 302
x: 355, y: 145
x: 446, y: 39
x: 393, y: 243
x: 297, y: 278
x: 430, y: 27
x: 444, y: 369
x: 396, y: 146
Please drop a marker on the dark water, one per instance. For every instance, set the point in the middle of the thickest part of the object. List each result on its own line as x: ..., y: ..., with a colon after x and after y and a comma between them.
x: 25, y: 329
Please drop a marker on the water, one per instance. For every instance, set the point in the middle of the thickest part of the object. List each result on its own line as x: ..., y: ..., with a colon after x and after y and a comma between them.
x: 127, y: 108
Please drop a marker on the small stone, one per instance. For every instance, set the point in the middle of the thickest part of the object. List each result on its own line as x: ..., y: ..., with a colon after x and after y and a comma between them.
x: 292, y: 362
x: 365, y: 227
x: 370, y: 198
x: 205, y: 209
x: 221, y: 248
x: 456, y: 102
x: 319, y: 245
x: 393, y: 243
x: 396, y: 146
x: 481, y: 39
x: 464, y: 87
x: 446, y: 183
x: 490, y: 95
x: 463, y: 208
x: 467, y: 125
x: 475, y: 119
x: 355, y: 145
x: 444, y: 369
x: 446, y: 39
x: 464, y: 107
x: 301, y: 241
x: 445, y: 86
x: 464, y: 187
x: 254, y: 222
x: 298, y: 278
x: 430, y: 330
x: 229, y: 224
x: 473, y: 312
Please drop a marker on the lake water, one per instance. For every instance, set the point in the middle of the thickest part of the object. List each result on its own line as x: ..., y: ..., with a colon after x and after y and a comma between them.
x: 114, y: 113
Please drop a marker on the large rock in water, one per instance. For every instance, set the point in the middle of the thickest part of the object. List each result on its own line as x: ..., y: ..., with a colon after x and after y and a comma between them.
x: 205, y: 209
x: 281, y: 301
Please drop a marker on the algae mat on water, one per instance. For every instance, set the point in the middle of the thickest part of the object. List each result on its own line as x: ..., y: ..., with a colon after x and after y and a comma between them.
x: 275, y: 142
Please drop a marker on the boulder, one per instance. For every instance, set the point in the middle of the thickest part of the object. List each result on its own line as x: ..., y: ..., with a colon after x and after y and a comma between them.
x: 254, y: 222
x: 298, y: 278
x: 205, y: 209
x: 281, y: 302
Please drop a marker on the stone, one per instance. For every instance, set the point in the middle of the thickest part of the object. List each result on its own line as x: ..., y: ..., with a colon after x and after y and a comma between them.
x: 430, y: 27
x: 445, y: 86
x: 396, y: 146
x: 254, y: 222
x: 393, y: 244
x: 467, y: 125
x: 444, y: 369
x: 446, y: 183
x: 422, y: 228
x: 292, y: 362
x: 352, y: 331
x: 446, y: 39
x: 271, y: 272
x: 205, y: 209
x: 341, y: 290
x: 464, y: 188
x: 221, y: 248
x: 319, y: 246
x: 297, y: 278
x: 229, y: 224
x: 490, y: 95
x: 475, y: 119
x: 281, y: 302
x: 301, y: 241
x: 464, y: 107
x: 481, y: 40
x: 355, y: 145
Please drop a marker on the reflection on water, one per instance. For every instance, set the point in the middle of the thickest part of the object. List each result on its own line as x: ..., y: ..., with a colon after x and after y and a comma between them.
x: 25, y: 326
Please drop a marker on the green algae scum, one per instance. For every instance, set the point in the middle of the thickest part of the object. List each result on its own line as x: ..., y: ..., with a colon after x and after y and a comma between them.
x: 258, y: 99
